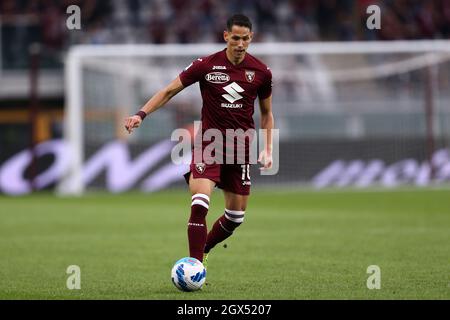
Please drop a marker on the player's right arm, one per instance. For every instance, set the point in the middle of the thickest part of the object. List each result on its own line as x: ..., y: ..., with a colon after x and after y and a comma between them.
x: 157, y: 101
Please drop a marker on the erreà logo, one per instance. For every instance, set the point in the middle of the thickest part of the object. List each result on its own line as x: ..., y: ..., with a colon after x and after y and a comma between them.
x: 217, y: 77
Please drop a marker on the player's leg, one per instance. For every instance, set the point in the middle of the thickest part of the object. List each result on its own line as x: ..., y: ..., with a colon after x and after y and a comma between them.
x: 235, y: 181
x: 201, y: 190
x: 235, y: 205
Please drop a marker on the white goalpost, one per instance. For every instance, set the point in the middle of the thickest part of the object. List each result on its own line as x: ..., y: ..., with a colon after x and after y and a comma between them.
x: 345, y: 90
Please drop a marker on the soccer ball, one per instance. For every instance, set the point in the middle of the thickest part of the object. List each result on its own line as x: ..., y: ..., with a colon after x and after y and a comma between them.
x: 188, y: 274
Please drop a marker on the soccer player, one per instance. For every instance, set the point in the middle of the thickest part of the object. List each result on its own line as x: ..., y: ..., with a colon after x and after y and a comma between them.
x: 230, y: 80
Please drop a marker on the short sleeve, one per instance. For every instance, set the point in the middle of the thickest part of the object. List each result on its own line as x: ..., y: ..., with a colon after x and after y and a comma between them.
x: 265, y: 90
x: 192, y: 73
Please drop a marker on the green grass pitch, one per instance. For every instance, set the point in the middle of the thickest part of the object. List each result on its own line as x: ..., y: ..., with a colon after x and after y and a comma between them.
x: 292, y: 245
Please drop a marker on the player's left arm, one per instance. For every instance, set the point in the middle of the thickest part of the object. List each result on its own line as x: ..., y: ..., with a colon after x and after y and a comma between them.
x: 267, y: 123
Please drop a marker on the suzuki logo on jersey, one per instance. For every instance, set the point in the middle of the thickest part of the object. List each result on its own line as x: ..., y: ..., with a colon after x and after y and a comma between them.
x: 233, y: 90
x: 217, y: 77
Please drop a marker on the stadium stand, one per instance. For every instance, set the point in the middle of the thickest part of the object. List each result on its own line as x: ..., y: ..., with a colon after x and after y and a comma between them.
x: 189, y: 21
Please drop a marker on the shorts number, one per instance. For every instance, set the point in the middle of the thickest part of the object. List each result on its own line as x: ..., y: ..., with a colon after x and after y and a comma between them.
x: 245, y: 171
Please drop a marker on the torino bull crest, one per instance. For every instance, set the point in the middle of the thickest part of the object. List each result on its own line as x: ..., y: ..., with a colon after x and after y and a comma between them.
x: 249, y: 75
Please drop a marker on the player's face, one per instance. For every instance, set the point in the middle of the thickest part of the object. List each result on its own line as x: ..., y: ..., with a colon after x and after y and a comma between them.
x: 238, y: 40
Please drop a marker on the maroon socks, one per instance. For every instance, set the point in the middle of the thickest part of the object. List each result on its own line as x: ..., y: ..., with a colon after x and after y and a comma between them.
x: 224, y: 227
x: 197, y: 229
x: 200, y: 241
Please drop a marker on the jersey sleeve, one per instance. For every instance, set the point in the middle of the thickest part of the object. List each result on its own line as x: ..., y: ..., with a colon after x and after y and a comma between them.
x: 192, y: 73
x: 265, y: 90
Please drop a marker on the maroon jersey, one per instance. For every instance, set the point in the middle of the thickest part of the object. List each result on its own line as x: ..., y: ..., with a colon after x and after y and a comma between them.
x: 228, y: 91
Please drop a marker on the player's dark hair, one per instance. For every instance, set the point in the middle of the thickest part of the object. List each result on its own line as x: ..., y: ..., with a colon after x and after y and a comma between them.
x: 239, y: 20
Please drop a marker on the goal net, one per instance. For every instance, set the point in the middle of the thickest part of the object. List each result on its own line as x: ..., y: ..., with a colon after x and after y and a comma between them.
x: 349, y: 114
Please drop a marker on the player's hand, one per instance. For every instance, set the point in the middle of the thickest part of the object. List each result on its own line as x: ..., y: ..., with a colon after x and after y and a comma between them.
x: 132, y: 122
x: 265, y: 158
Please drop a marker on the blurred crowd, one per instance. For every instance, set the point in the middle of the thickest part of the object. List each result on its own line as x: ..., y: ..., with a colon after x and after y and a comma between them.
x: 193, y: 21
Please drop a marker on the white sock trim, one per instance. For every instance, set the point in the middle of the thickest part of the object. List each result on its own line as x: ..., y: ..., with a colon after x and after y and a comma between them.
x: 234, y: 215
x: 200, y: 202
x: 240, y: 213
x: 200, y: 195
